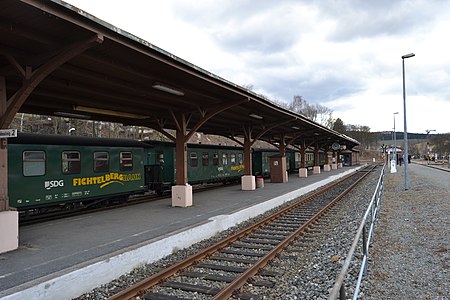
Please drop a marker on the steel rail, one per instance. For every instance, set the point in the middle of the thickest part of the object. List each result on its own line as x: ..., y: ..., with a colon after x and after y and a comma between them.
x: 228, y: 291
x: 436, y: 167
x: 140, y: 287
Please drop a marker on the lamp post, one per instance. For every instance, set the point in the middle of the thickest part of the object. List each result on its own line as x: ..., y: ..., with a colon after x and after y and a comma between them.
x: 428, y: 145
x: 405, y: 134
x: 395, y: 141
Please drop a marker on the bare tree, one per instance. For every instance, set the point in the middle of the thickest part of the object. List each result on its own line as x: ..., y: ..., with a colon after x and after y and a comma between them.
x: 315, y: 112
x: 362, y: 134
x: 441, y: 144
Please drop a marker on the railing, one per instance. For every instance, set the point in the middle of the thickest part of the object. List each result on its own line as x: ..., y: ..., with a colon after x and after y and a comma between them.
x: 368, y: 221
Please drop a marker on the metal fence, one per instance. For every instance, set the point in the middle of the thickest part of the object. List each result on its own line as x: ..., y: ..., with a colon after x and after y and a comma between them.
x: 365, y: 232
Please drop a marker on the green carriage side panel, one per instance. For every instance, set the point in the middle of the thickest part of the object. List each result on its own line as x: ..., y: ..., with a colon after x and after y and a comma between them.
x: 201, y: 165
x: 261, y: 161
x: 321, y: 158
x: 309, y: 158
x: 266, y: 162
x: 290, y: 161
x: 163, y: 154
x: 114, y: 181
x: 297, y: 160
x: 53, y: 187
x: 210, y: 163
x: 257, y: 163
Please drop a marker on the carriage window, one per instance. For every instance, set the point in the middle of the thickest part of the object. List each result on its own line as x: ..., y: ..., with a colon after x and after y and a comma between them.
x: 101, y: 162
x: 194, y: 159
x: 215, y: 159
x: 71, y: 162
x: 205, y: 159
x: 33, y: 163
x: 224, y: 159
x: 233, y: 159
x: 126, y: 161
x: 240, y: 159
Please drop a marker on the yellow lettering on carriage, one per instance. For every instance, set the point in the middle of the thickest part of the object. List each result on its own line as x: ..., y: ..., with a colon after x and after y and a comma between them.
x: 111, y: 177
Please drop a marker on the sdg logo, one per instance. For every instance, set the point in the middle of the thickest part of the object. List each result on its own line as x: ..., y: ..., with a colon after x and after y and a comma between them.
x: 49, y: 184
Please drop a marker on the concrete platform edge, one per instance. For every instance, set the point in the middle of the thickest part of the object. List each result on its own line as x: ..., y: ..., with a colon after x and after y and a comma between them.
x: 94, y: 274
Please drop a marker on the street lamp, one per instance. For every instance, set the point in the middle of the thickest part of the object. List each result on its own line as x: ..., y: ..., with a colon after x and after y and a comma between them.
x: 395, y: 141
x: 405, y: 134
x: 428, y: 144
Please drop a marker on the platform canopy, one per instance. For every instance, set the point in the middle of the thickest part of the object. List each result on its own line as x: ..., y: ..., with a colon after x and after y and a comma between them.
x: 58, y: 60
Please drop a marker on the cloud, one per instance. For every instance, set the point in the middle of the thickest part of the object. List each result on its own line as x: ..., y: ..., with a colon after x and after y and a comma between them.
x: 262, y: 27
x: 368, y: 19
x: 343, y: 54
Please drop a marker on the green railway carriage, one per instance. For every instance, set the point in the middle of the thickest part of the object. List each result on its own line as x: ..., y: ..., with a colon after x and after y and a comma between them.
x: 309, y: 159
x: 205, y: 164
x: 261, y: 161
x: 291, y: 157
x: 214, y: 163
x: 160, y: 169
x: 46, y: 170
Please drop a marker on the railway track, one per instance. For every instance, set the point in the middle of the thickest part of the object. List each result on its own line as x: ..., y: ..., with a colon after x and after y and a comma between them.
x: 240, y: 259
x: 434, y: 166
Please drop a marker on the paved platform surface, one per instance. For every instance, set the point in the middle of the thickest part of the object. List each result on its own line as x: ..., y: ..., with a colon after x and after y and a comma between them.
x: 58, y: 259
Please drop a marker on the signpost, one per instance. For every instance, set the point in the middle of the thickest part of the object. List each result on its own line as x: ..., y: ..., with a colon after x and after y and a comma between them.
x: 8, y: 133
x: 393, y: 166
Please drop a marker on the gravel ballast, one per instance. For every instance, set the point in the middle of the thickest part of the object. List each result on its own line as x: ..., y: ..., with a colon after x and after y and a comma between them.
x: 411, y: 248
x: 409, y: 255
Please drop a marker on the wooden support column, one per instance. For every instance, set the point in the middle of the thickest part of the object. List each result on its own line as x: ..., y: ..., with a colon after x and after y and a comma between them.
x: 339, y: 159
x: 182, y: 191
x: 326, y: 166
x: 247, y: 157
x: 334, y: 161
x: 316, y: 168
x: 303, y: 171
x: 4, y: 200
x: 282, y: 175
x: 9, y: 219
x: 248, y: 180
x: 282, y: 147
x: 181, y: 158
x: 303, y: 155
x: 326, y: 156
x: 4, y: 203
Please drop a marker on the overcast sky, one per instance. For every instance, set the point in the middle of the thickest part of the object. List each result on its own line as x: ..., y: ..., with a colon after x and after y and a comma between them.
x: 345, y: 55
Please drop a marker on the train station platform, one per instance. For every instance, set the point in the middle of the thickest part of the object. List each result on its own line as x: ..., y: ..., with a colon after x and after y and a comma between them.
x: 65, y: 258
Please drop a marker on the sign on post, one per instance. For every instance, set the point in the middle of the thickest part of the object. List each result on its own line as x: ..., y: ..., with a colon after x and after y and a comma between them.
x: 393, y: 166
x: 8, y: 133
